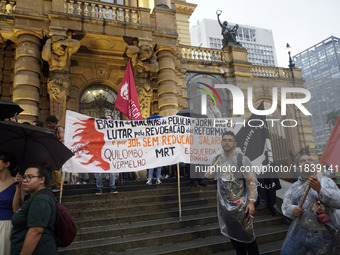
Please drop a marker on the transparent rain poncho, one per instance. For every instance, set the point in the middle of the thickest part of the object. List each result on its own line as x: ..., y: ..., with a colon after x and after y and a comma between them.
x: 329, y: 195
x: 234, y: 191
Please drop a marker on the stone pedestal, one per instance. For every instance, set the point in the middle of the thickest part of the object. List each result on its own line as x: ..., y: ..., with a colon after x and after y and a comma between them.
x: 26, y: 83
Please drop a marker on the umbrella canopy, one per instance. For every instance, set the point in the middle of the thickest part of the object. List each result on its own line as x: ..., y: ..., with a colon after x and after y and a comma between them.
x: 9, y: 109
x: 32, y: 145
x: 157, y: 116
x: 191, y: 113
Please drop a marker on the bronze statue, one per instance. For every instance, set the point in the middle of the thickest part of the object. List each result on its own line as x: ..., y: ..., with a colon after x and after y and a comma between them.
x: 229, y: 34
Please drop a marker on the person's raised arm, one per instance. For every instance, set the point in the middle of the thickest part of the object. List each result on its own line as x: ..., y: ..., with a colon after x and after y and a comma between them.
x: 61, y: 134
x: 19, y: 194
x: 71, y: 44
x: 47, y: 51
x: 219, y: 21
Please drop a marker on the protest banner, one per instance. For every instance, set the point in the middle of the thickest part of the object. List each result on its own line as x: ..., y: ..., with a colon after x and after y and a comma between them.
x: 102, y: 145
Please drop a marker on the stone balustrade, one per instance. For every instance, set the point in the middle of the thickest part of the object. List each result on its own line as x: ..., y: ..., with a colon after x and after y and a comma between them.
x: 213, y: 55
x: 271, y: 72
x: 102, y: 10
x: 198, y: 53
x: 7, y: 7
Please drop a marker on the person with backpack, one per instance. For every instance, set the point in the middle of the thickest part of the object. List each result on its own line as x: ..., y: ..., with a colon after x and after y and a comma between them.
x: 34, y: 222
x: 236, y: 195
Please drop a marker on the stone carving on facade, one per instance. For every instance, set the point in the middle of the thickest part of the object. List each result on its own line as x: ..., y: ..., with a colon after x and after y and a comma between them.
x: 57, y: 51
x: 144, y: 92
x: 144, y: 63
x: 142, y: 58
x: 229, y: 33
x: 58, y: 89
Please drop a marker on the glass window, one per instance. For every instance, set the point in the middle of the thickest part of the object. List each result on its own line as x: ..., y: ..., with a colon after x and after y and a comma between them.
x: 98, y: 101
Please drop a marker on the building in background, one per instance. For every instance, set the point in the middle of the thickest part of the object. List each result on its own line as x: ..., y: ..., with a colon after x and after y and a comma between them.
x: 320, y: 66
x: 259, y: 42
x: 74, y: 55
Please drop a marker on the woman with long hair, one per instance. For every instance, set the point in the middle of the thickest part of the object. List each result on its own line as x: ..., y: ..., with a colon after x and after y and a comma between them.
x: 33, y: 223
x: 10, y: 198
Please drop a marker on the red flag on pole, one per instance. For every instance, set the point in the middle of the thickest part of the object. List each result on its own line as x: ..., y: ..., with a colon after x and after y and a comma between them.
x: 331, y: 153
x: 127, y: 99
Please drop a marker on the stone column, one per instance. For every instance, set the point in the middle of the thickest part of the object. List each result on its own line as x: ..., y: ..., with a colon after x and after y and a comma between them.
x: 133, y: 3
x: 167, y: 83
x: 26, y: 82
x: 162, y: 4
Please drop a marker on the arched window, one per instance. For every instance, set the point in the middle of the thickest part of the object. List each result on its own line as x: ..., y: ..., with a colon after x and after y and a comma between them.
x: 195, y: 94
x: 99, y: 101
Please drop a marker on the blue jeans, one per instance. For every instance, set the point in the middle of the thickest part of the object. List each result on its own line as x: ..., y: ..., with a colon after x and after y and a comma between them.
x: 99, y: 181
x: 158, y: 173
x: 300, y: 241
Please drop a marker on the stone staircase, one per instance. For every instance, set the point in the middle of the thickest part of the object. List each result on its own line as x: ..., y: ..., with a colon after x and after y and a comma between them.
x: 144, y: 219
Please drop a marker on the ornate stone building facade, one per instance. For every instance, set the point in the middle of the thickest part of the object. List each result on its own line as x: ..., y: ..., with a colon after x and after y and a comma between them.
x: 67, y: 54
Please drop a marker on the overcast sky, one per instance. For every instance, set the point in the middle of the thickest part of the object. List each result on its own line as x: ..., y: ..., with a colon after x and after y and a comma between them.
x: 301, y: 23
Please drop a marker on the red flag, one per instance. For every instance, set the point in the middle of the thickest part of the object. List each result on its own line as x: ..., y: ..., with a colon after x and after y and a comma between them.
x: 331, y: 153
x: 127, y: 99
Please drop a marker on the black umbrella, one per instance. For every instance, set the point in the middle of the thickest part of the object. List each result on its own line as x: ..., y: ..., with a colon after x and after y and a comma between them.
x: 191, y: 113
x: 9, y: 109
x: 32, y: 145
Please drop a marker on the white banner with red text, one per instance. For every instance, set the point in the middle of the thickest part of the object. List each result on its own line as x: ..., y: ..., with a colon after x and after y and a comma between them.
x: 102, y: 145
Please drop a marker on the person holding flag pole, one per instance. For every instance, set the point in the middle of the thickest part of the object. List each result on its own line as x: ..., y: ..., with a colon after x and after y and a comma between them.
x: 312, y: 203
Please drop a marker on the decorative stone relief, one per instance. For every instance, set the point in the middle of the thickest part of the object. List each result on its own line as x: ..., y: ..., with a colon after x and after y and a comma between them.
x: 142, y: 58
x: 144, y: 92
x: 57, y: 52
x: 58, y: 89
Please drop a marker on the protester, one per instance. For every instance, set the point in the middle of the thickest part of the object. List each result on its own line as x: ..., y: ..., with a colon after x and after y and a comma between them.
x: 11, y: 199
x: 37, y: 123
x: 58, y: 131
x: 158, y: 175
x: 309, y: 230
x: 33, y: 224
x: 99, y: 184
x: 236, y: 194
x: 213, y: 111
x: 81, y: 178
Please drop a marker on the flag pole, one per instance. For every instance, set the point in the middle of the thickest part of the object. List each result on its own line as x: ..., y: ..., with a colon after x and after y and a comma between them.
x: 307, y: 191
x: 301, y: 205
x: 62, y: 179
x: 208, y: 174
x: 179, y: 192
